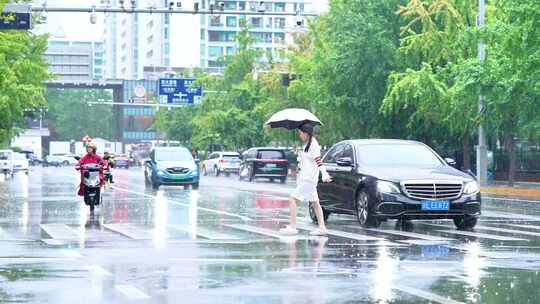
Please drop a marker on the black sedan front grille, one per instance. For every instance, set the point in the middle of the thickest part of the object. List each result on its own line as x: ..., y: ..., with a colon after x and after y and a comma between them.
x: 433, y: 191
x: 178, y: 170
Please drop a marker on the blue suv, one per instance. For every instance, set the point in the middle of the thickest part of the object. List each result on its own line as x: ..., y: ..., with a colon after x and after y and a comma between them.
x: 171, y: 166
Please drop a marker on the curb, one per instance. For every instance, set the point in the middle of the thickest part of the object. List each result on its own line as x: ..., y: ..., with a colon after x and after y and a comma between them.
x: 515, y: 192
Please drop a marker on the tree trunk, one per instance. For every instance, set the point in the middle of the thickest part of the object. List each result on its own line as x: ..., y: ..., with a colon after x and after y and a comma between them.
x: 466, y: 151
x: 511, y: 145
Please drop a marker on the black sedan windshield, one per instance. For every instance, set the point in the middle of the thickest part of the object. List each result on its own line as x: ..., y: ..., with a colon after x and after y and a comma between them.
x: 398, y: 155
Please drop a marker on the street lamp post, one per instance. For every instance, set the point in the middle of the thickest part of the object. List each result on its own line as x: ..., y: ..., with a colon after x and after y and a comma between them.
x: 481, y: 149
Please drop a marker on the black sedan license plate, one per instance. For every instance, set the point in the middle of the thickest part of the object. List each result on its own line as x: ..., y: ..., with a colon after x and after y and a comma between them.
x: 435, y: 205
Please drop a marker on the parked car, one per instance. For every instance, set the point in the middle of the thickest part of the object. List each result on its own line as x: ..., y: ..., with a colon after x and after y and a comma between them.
x: 171, y: 166
x: 20, y: 163
x: 61, y: 159
x: 378, y: 180
x: 121, y: 161
x: 221, y: 162
x: 268, y: 163
x: 6, y: 161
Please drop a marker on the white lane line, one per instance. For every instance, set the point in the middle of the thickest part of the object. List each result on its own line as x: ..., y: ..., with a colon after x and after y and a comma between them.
x: 423, y: 242
x: 507, y: 230
x: 338, y: 233
x: 525, y: 226
x: 205, y: 232
x: 99, y: 271
x: 266, y: 232
x: 413, y: 235
x: 425, y: 295
x: 244, y: 218
x: 482, y: 235
x: 60, y: 232
x: 131, y: 292
x: 72, y: 254
x: 509, y: 216
x: 130, y: 231
x: 204, y: 260
x: 511, y: 199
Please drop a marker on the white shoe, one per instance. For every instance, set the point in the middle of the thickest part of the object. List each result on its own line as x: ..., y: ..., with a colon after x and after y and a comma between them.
x: 288, y: 230
x: 318, y: 232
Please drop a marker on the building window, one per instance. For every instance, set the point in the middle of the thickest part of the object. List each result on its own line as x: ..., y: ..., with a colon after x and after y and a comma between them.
x: 203, y: 34
x: 279, y: 22
x: 256, y: 22
x: 215, y: 51
x: 215, y: 21
x: 150, y: 54
x: 150, y: 24
x: 279, y: 7
x: 242, y: 5
x: 269, y: 22
x: 230, y: 5
x: 230, y: 50
x: 231, y: 21
x: 279, y: 37
x: 299, y: 7
x: 150, y: 39
x: 243, y: 20
x: 221, y: 36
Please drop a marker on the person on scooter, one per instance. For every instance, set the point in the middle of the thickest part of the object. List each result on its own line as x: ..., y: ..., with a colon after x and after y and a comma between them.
x: 109, y: 164
x: 91, y: 157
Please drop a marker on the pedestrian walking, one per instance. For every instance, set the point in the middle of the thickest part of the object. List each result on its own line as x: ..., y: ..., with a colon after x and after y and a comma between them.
x: 306, y: 182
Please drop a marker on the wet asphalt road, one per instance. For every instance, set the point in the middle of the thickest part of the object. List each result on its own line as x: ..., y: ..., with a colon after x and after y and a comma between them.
x: 219, y: 244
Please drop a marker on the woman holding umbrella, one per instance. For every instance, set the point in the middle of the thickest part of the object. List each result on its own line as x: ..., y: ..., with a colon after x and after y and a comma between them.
x: 310, y: 165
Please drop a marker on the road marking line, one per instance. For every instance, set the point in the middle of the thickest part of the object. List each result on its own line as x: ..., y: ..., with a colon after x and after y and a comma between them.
x: 98, y: 270
x: 344, y: 234
x: 131, y: 292
x: 60, y: 232
x: 423, y: 242
x: 266, y: 232
x: 130, y: 231
x: 414, y: 235
x: 525, y: 226
x: 217, y: 260
x: 507, y: 230
x: 245, y: 218
x: 482, y: 235
x: 511, y: 199
x: 506, y: 215
x: 205, y: 233
x: 72, y: 254
x: 425, y: 294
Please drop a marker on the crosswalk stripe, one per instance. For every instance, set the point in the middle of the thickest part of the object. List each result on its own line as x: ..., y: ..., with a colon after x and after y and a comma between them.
x: 131, y: 292
x: 264, y: 231
x: 408, y: 234
x: 349, y: 235
x: 130, y: 231
x: 60, y: 232
x: 482, y: 235
x: 205, y: 233
x: 507, y: 230
x: 525, y: 226
x: 425, y: 294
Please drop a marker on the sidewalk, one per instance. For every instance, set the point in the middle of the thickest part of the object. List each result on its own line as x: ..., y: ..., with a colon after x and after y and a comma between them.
x: 520, y: 190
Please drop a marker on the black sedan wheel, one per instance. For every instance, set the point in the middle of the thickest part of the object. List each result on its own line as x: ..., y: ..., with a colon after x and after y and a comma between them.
x: 465, y: 222
x: 363, y: 212
x: 313, y: 215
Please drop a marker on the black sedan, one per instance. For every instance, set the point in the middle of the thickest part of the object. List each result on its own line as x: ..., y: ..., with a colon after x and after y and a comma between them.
x: 378, y: 179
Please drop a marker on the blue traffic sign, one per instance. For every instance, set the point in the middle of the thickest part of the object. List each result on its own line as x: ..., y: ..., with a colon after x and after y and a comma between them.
x: 179, y: 90
x: 15, y: 21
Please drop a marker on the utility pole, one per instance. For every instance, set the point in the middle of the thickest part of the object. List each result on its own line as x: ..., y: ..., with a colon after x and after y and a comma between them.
x: 481, y: 149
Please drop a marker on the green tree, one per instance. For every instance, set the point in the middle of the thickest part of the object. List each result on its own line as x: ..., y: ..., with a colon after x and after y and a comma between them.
x: 343, y: 65
x: 22, y: 72
x: 72, y: 117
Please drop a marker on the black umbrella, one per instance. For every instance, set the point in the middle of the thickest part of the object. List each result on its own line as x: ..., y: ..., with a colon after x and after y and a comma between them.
x: 292, y: 119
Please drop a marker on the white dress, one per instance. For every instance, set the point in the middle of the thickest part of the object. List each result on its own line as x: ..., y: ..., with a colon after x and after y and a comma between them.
x: 310, y: 168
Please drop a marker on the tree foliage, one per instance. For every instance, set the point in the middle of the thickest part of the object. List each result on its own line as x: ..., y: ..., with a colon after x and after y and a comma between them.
x: 22, y: 72
x: 71, y: 117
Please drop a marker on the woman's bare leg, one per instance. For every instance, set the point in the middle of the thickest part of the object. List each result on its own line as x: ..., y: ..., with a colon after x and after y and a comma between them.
x: 292, y: 205
x: 319, y: 213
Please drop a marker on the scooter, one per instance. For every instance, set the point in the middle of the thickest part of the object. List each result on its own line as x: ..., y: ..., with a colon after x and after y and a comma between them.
x: 92, y: 185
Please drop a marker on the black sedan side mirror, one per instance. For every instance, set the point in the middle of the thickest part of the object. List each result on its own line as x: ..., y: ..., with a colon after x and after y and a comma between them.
x: 450, y: 161
x: 344, y: 162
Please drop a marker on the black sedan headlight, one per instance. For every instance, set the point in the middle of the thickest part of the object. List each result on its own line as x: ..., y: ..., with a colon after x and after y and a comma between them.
x: 387, y: 187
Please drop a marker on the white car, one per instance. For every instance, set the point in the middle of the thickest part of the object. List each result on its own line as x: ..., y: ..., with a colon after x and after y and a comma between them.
x: 6, y: 161
x: 221, y: 162
x: 20, y: 163
x: 61, y: 159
